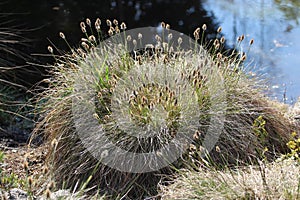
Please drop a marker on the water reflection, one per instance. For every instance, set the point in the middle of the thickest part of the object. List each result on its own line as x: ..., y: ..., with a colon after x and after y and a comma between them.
x: 274, y: 24
x: 290, y: 8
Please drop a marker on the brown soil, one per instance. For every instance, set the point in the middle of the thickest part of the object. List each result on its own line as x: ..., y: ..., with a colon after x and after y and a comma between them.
x: 16, y: 160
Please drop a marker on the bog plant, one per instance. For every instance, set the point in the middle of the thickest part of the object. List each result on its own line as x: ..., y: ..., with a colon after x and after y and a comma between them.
x: 190, y: 99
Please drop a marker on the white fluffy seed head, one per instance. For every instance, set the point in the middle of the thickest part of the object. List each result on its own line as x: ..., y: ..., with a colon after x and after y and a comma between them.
x: 88, y: 22
x: 140, y: 36
x: 108, y: 22
x: 115, y: 22
x: 82, y: 25
x: 62, y: 35
x: 50, y: 49
x: 123, y: 26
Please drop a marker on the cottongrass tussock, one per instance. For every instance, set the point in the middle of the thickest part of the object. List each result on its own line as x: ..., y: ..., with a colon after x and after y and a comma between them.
x: 140, y: 97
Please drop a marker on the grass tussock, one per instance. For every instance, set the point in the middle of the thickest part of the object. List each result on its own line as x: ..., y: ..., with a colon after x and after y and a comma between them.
x: 206, y: 91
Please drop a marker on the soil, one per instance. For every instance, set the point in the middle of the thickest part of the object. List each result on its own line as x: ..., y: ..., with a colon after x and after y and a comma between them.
x: 16, y: 159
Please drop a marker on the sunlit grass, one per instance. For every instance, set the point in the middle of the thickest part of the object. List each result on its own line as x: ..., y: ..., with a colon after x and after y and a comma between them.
x: 276, y: 180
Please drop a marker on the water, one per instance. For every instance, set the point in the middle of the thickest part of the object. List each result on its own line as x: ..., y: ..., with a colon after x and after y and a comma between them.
x: 274, y: 24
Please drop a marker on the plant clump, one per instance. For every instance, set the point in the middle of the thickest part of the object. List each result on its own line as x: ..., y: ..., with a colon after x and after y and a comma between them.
x: 140, y: 97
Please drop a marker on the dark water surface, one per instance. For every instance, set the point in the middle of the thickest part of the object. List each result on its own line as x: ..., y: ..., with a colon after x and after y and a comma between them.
x: 274, y: 24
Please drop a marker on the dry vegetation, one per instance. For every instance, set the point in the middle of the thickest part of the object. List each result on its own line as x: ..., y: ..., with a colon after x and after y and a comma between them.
x: 276, y: 180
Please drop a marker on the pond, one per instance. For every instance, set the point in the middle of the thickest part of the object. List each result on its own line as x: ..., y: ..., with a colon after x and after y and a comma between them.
x: 274, y: 24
